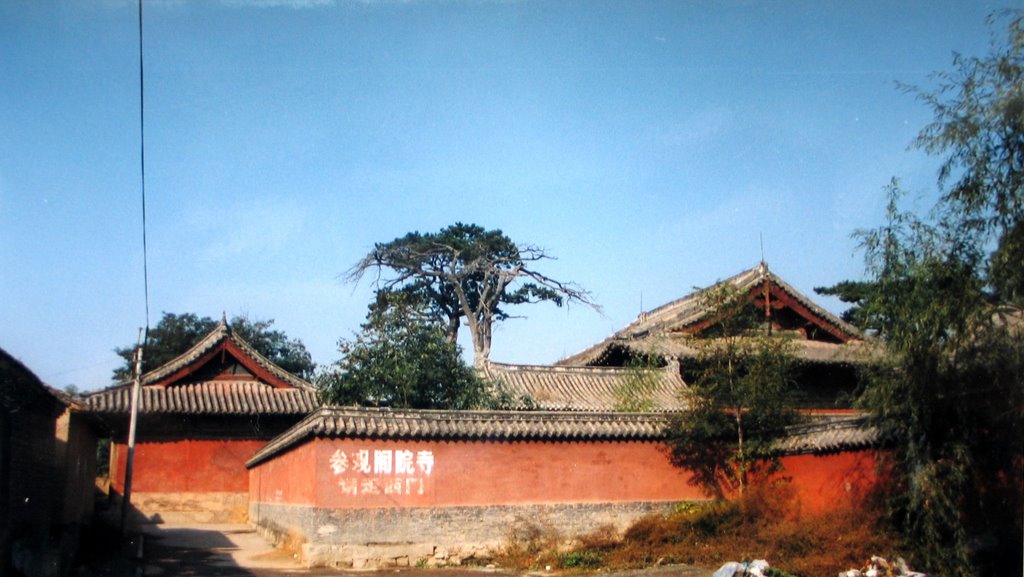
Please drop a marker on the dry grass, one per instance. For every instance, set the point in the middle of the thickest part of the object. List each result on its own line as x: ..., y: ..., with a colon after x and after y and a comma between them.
x: 530, y: 544
x: 762, y: 525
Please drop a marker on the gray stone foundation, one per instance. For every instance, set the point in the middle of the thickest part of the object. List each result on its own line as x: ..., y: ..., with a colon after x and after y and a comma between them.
x: 377, y: 538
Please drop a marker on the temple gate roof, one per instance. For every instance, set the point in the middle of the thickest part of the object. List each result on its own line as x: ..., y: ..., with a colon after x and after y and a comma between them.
x: 220, y: 375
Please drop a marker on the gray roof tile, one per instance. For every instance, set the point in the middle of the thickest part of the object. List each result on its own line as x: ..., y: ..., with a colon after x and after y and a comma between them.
x: 826, y: 434
x: 829, y: 435
x: 557, y: 388
x: 216, y: 337
x: 207, y: 398
x: 292, y: 396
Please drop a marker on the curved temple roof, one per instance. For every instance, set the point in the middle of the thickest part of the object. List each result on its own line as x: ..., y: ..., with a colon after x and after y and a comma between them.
x: 180, y: 386
x: 219, y: 339
x: 665, y: 330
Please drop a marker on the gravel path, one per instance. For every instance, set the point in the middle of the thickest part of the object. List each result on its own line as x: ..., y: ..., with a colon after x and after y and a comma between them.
x: 238, y: 551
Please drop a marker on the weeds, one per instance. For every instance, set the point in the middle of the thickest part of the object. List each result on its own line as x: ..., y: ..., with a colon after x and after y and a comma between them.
x: 584, y: 559
x: 530, y: 545
x: 764, y: 524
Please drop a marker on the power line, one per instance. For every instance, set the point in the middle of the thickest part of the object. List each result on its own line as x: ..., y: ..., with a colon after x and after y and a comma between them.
x: 142, y: 164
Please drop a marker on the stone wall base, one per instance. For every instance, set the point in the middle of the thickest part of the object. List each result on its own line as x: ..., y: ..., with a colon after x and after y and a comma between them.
x: 382, y: 538
x: 214, y: 507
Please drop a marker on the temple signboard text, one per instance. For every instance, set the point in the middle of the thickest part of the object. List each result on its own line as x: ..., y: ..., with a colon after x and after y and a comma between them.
x: 382, y: 471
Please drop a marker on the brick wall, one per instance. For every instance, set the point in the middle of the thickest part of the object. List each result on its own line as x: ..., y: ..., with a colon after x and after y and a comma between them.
x: 187, y: 480
x: 380, y: 503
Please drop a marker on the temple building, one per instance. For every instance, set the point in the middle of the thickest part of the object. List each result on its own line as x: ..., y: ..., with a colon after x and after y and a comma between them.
x: 225, y: 435
x: 201, y: 417
x: 827, y: 351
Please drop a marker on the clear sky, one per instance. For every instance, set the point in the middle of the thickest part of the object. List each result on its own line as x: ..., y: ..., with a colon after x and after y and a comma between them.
x: 649, y: 145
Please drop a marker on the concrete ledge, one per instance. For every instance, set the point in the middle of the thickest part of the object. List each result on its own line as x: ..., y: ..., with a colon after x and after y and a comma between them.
x: 382, y: 538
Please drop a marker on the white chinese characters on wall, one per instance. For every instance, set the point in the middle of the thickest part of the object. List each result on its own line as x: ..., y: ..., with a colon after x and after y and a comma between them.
x: 382, y: 471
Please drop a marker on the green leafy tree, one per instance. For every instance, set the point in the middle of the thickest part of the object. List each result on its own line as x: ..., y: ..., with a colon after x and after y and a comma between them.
x: 465, y: 272
x: 402, y: 359
x: 740, y: 401
x: 949, y: 395
x: 176, y: 333
x: 1006, y: 274
x: 978, y: 130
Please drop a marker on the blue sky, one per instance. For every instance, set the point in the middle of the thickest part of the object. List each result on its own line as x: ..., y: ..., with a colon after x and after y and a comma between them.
x: 649, y: 146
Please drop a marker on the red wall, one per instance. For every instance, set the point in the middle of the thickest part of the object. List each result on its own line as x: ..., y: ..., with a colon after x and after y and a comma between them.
x: 286, y: 479
x: 826, y: 482
x: 473, y: 473
x: 325, y: 473
x: 187, y: 466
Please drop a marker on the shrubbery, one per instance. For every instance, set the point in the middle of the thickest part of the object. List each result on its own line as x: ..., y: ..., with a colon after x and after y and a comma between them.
x: 764, y: 524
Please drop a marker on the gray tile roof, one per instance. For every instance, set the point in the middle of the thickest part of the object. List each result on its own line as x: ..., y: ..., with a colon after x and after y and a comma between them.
x: 830, y: 434
x: 207, y: 398
x: 211, y: 341
x: 683, y: 346
x: 466, y: 425
x: 649, y: 331
x: 586, y: 388
x: 168, y: 390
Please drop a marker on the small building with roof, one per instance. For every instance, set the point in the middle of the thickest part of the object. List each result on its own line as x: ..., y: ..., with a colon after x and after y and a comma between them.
x: 201, y: 417
x: 47, y: 472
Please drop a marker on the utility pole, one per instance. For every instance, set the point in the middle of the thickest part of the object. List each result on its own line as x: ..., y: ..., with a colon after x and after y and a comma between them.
x: 132, y: 425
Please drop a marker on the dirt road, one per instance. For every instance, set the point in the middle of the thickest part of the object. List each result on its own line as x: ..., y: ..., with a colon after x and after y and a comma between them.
x: 238, y: 551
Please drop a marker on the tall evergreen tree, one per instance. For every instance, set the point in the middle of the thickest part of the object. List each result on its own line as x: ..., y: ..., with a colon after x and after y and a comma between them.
x: 465, y: 272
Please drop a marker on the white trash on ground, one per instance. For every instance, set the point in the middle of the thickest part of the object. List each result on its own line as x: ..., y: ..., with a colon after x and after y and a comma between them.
x: 880, y: 567
x: 876, y: 567
x: 756, y: 568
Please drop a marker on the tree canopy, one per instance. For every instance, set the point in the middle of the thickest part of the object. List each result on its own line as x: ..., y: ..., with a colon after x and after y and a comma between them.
x: 948, y: 308
x: 465, y: 272
x: 403, y: 359
x: 176, y: 333
x: 978, y: 131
